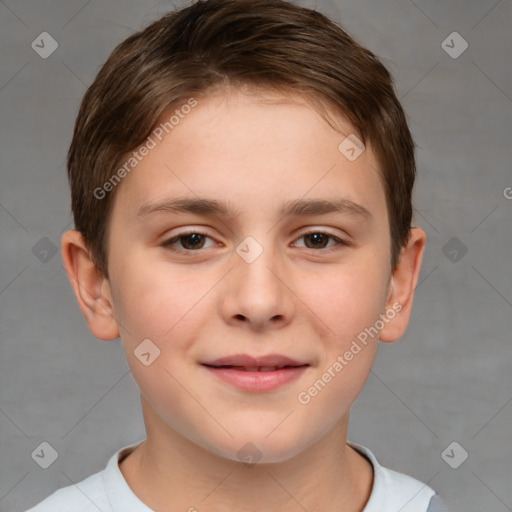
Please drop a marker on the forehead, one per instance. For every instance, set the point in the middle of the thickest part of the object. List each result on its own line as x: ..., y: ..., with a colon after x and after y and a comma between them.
x: 253, y: 149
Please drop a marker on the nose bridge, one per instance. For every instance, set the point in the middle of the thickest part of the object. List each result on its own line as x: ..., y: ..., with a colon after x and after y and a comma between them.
x: 257, y: 261
x: 256, y: 290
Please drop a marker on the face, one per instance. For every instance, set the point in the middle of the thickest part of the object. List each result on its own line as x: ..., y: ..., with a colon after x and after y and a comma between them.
x: 250, y: 278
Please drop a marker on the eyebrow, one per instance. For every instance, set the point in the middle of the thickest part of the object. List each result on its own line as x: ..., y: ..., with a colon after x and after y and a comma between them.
x: 298, y: 207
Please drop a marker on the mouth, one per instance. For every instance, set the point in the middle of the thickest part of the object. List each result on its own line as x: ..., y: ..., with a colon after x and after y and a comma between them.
x: 255, y: 368
x: 254, y: 374
x: 268, y: 362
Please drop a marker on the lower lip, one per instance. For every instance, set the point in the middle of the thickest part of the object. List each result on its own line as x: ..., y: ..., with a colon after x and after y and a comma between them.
x: 258, y: 381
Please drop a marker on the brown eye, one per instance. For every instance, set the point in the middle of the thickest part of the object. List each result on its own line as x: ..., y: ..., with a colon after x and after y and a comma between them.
x: 319, y: 240
x: 190, y: 241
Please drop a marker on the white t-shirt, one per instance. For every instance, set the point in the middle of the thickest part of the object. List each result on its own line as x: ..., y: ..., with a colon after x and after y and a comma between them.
x: 108, y: 491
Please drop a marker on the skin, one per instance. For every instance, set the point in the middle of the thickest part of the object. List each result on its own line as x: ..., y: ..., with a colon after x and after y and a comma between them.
x: 302, y: 297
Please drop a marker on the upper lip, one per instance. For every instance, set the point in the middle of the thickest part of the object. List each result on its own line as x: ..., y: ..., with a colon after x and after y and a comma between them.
x: 250, y: 361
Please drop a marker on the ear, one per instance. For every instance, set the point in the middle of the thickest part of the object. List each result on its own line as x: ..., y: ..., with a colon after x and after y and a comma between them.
x: 402, y: 286
x: 92, y: 289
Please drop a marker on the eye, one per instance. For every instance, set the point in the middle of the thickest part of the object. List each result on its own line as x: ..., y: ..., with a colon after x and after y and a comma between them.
x: 194, y: 240
x: 318, y: 240
x: 190, y: 241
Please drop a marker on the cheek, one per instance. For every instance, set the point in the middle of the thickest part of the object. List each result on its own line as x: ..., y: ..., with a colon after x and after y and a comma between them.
x: 152, y: 302
x: 346, y: 300
x: 168, y: 392
x: 346, y: 308
x: 351, y: 303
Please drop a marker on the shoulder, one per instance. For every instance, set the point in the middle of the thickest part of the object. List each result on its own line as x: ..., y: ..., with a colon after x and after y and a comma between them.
x: 393, y: 491
x: 84, y: 496
x: 106, y: 490
x: 437, y: 505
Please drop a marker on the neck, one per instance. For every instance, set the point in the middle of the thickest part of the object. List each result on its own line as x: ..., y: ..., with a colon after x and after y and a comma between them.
x: 168, y: 468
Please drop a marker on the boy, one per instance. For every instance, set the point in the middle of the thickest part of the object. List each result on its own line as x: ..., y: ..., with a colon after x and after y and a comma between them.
x: 241, y: 177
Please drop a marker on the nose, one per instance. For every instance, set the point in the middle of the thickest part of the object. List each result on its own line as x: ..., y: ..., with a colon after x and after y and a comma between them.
x: 258, y: 293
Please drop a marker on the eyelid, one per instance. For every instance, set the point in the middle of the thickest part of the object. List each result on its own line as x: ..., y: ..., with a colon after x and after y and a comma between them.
x: 325, y: 231
x: 339, y: 241
x: 191, y: 231
x: 168, y: 243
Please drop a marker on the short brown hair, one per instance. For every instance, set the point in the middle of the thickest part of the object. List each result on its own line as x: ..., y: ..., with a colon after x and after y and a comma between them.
x: 214, y: 44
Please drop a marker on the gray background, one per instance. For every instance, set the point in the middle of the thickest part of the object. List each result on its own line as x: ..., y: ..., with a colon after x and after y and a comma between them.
x: 447, y: 380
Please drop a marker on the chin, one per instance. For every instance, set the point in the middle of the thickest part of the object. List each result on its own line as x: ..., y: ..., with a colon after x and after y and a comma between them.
x: 256, y: 446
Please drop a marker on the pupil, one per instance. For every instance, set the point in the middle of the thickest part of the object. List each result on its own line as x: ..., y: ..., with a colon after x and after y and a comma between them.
x: 318, y: 237
x: 195, y: 237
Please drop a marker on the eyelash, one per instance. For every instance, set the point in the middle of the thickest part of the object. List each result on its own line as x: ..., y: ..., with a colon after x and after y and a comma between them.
x: 168, y: 243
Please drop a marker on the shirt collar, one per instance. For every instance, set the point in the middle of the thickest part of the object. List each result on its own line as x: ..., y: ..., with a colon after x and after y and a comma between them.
x: 119, y: 493
x: 122, y: 498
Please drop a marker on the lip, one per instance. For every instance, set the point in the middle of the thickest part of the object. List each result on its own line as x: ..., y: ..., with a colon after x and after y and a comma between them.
x: 257, y: 381
x: 247, y: 360
x: 228, y: 370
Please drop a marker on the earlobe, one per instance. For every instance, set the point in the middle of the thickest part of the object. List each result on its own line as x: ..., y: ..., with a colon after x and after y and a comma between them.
x: 402, y: 287
x: 92, y: 289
